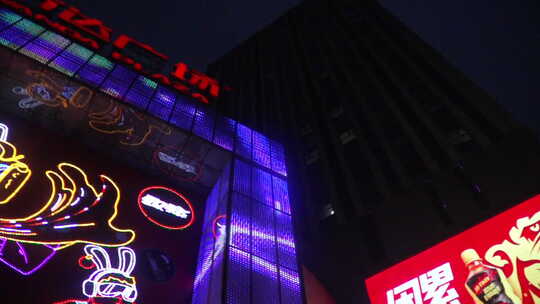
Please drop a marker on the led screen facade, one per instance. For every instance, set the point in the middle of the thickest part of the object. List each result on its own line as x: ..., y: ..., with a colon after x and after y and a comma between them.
x: 118, y: 190
x: 497, y: 261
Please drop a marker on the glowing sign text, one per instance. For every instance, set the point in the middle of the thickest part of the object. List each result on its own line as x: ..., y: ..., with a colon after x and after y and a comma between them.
x: 152, y: 201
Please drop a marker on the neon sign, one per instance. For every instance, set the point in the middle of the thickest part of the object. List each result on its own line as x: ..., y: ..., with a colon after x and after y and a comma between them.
x: 132, y: 128
x: 166, y: 208
x: 94, y: 34
x: 27, y: 243
x: 108, y: 282
x: 152, y: 201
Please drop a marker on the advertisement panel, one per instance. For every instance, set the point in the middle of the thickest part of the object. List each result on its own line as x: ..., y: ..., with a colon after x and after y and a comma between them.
x: 497, y: 261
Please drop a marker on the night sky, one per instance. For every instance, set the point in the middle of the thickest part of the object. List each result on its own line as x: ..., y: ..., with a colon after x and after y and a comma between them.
x: 496, y: 43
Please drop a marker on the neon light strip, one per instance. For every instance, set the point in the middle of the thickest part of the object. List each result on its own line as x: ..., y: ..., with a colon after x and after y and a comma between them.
x: 16, y: 230
x: 22, y: 252
x: 75, y: 202
x: 58, y: 202
x: 73, y: 225
x: 4, y: 132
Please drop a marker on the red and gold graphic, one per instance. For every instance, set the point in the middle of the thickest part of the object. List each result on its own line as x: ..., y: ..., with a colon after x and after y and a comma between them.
x: 495, y: 262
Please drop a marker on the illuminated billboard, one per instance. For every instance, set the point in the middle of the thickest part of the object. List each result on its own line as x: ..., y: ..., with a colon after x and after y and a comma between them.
x: 497, y: 261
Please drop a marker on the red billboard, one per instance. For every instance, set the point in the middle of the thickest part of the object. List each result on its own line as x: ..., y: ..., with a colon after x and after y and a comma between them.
x: 496, y: 261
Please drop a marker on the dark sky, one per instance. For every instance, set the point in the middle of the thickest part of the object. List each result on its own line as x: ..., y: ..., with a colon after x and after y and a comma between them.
x: 496, y: 43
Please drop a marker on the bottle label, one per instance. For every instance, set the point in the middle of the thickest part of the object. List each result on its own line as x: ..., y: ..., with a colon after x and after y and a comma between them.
x: 487, y: 286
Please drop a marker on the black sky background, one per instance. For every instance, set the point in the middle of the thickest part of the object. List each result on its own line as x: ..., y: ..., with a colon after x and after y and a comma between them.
x: 495, y: 43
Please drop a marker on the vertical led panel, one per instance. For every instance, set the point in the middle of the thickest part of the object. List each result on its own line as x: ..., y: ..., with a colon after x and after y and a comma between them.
x: 264, y: 282
x: 208, y: 277
x: 71, y: 59
x: 291, y: 292
x: 261, y: 150
x: 7, y: 18
x: 278, y: 158
x: 242, y: 177
x: 281, y: 195
x: 45, y: 47
x: 183, y: 113
x: 239, y: 277
x: 224, y: 132
x: 140, y: 92
x: 243, y: 141
x: 261, y: 185
x: 95, y: 70
x: 162, y: 103
x: 240, y: 222
x: 263, y: 241
x: 20, y: 33
x: 118, y: 81
x: 201, y: 283
x: 203, y: 124
x: 285, y: 241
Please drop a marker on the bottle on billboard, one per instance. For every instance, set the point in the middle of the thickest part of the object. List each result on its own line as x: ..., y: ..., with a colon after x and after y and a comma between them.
x: 485, y: 284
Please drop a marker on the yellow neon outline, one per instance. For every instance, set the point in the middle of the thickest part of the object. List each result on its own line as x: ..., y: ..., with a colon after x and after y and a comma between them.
x: 14, y: 158
x: 18, y: 233
x: 100, y: 117
x: 47, y: 204
x: 78, y: 225
x: 65, y: 244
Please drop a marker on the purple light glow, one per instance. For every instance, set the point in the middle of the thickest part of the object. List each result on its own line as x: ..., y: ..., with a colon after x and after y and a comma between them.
x: 261, y: 150
x: 20, y: 33
x: 21, y: 251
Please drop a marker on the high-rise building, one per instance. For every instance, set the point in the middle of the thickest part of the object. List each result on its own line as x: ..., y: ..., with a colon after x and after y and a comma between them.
x: 119, y: 184
x: 390, y: 148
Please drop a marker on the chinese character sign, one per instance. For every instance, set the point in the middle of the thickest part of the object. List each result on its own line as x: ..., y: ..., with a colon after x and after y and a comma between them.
x: 495, y: 262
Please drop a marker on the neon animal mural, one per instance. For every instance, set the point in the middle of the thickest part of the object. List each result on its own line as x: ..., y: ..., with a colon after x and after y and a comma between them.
x: 46, y: 91
x: 74, y: 204
x: 108, y: 284
x: 132, y: 127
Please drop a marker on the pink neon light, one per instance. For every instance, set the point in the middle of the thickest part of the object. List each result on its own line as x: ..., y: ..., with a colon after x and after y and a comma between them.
x: 22, y: 252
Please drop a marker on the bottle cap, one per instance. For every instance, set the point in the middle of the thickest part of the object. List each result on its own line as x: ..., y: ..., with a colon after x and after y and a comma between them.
x: 469, y: 255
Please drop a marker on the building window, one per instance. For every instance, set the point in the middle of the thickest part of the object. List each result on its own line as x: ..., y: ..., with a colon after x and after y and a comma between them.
x: 328, y: 211
x: 336, y: 112
x: 312, y: 157
x: 347, y: 136
x: 306, y: 130
x: 459, y: 136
